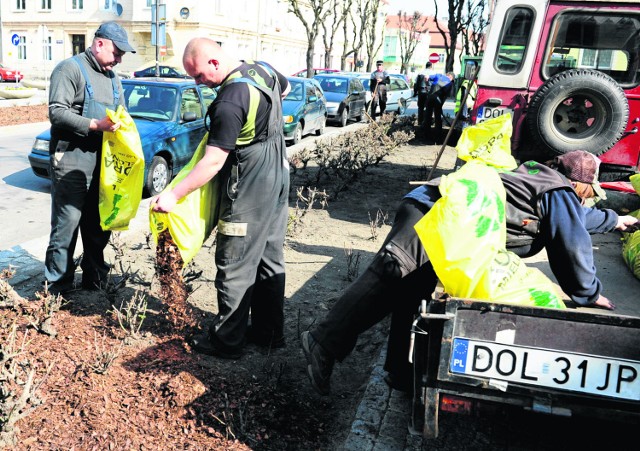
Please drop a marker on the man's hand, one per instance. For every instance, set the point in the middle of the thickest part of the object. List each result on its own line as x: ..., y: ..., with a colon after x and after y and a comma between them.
x: 104, y: 125
x: 604, y: 303
x: 627, y: 223
x: 164, y: 203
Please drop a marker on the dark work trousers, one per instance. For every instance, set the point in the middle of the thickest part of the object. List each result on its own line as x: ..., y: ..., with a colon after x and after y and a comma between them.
x: 422, y: 105
x: 395, y: 282
x: 250, y: 242
x: 433, y: 113
x: 75, y: 175
x: 379, y: 99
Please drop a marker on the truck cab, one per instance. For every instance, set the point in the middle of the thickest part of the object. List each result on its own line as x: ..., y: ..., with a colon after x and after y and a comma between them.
x: 569, y: 74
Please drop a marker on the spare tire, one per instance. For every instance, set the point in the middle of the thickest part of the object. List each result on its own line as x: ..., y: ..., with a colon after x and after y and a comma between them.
x: 578, y: 109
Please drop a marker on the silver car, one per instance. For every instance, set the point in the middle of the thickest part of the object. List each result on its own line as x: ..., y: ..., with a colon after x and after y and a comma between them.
x: 398, y: 92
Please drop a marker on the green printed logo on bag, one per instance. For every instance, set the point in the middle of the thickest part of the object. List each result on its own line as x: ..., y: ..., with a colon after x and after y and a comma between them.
x: 121, y: 173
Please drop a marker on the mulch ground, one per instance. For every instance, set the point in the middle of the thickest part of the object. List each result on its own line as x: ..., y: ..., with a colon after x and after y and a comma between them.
x: 23, y: 115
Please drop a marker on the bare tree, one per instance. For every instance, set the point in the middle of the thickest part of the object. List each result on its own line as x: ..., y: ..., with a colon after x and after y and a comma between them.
x: 467, y: 20
x: 372, y: 29
x: 319, y: 10
x: 330, y: 27
x: 410, y: 31
x: 357, y: 18
x: 475, y: 27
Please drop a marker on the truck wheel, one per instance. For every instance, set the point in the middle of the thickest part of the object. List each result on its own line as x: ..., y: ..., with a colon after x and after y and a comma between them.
x: 578, y: 109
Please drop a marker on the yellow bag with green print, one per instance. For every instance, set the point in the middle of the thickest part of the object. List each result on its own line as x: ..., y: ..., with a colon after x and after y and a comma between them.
x: 464, y: 235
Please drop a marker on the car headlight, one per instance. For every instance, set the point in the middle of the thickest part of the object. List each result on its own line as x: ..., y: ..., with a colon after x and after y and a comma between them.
x: 287, y: 119
x: 41, y: 144
x: 333, y: 104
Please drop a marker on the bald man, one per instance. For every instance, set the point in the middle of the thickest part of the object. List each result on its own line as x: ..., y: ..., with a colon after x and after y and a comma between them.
x: 246, y: 150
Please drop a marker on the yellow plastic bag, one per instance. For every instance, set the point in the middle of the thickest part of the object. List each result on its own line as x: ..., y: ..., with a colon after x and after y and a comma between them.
x: 465, y: 229
x: 635, y: 182
x: 121, y: 173
x: 488, y: 142
x: 631, y: 248
x: 464, y: 235
x: 194, y: 217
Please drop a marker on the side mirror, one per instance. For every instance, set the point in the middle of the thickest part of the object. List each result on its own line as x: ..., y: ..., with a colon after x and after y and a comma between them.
x: 312, y: 99
x: 189, y: 116
x: 470, y: 70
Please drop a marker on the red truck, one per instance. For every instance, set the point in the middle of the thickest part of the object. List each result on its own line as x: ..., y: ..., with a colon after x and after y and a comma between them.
x: 569, y: 72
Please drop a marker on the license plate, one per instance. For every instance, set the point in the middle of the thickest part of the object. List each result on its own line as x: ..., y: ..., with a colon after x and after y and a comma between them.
x: 561, y: 370
x: 485, y: 113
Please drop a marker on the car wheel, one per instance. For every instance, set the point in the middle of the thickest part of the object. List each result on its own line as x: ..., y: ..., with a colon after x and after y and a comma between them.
x: 297, y: 133
x: 344, y: 117
x: 158, y: 177
x: 323, y: 125
x: 1, y: 80
x: 578, y: 109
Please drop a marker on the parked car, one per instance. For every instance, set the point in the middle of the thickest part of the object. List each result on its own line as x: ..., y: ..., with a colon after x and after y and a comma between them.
x: 170, y: 117
x: 164, y: 71
x: 346, y: 97
x: 316, y: 71
x: 304, y: 110
x: 398, y: 92
x: 8, y: 74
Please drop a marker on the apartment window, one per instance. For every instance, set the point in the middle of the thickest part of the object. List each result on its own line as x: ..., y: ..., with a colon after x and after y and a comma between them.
x: 45, y: 4
x: 46, y: 49
x: 149, y: 3
x: 21, y: 4
x: 22, y: 48
x: 77, y: 4
x: 78, y: 43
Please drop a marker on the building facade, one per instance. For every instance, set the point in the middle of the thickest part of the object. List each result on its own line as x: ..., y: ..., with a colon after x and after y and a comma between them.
x: 37, y: 34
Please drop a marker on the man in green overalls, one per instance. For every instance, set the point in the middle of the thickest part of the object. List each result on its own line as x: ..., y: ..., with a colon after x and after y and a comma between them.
x: 246, y: 150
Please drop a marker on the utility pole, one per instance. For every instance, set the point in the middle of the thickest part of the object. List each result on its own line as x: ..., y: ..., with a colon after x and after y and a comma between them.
x: 158, y: 30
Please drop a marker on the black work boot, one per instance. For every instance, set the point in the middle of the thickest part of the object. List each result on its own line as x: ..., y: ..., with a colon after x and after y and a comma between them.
x: 320, y: 364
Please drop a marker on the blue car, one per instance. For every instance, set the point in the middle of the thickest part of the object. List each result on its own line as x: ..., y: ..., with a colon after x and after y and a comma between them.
x: 170, y: 117
x: 304, y: 110
x: 346, y: 97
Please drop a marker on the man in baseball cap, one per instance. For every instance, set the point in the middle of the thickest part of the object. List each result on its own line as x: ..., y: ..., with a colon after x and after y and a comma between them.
x: 582, y: 169
x: 116, y: 34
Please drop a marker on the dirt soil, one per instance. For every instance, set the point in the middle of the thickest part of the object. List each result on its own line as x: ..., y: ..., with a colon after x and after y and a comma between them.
x: 158, y: 393
x: 23, y: 115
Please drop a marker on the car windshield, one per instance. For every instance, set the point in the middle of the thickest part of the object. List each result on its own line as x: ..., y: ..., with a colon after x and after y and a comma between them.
x: 152, y: 102
x: 296, y: 93
x: 338, y: 85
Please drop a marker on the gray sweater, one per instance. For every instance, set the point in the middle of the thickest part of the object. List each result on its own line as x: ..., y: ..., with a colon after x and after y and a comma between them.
x: 67, y: 92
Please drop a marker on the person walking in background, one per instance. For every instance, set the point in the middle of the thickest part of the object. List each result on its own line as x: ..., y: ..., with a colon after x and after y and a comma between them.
x: 440, y: 88
x: 246, y: 149
x: 82, y: 88
x: 471, y: 97
x: 378, y: 87
x: 421, y: 90
x: 401, y: 273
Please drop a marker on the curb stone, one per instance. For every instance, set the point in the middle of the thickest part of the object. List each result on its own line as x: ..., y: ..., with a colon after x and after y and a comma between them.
x: 382, y: 417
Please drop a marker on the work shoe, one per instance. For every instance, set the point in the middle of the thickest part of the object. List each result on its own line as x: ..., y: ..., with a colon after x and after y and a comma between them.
x: 59, y: 288
x: 265, y: 342
x: 202, y: 343
x: 320, y: 363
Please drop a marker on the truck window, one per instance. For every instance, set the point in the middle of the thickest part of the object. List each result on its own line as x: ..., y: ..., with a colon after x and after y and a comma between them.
x: 514, y: 40
x: 606, y: 42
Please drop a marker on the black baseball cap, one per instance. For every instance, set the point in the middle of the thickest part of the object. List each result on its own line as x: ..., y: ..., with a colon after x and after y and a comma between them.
x: 115, y: 33
x: 379, y: 63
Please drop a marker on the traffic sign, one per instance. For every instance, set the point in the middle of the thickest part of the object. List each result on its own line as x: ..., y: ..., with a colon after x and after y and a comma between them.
x: 15, y: 39
x: 434, y: 58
